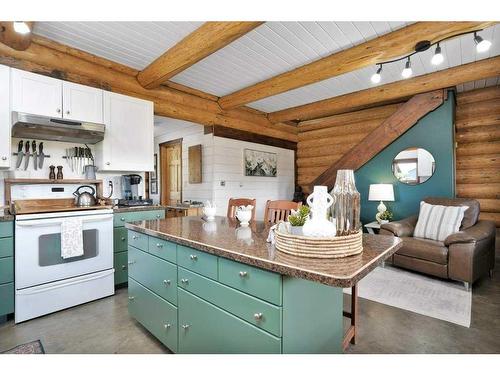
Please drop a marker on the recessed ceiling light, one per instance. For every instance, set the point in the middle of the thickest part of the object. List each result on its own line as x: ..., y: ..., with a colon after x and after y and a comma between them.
x: 21, y: 27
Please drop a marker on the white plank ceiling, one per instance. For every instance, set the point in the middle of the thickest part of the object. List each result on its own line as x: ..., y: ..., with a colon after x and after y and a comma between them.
x: 270, y: 49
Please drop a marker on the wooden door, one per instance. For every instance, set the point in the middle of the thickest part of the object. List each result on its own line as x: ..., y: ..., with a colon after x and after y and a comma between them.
x: 36, y: 94
x: 82, y: 103
x: 171, y: 172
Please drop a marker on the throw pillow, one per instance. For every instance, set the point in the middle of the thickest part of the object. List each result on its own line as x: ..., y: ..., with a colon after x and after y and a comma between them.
x: 437, y: 222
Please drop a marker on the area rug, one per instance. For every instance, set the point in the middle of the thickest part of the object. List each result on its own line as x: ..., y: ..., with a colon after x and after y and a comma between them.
x: 440, y: 299
x: 34, y: 347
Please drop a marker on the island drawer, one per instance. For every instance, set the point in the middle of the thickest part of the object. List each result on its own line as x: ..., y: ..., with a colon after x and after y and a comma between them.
x: 6, y: 247
x: 205, y: 328
x: 6, y: 270
x: 6, y: 229
x: 119, y: 219
x: 138, y: 240
x: 154, y: 273
x: 120, y: 265
x: 157, y: 315
x: 197, y: 261
x: 120, y: 239
x: 251, y: 280
x: 163, y: 249
x: 254, y: 311
x: 6, y: 298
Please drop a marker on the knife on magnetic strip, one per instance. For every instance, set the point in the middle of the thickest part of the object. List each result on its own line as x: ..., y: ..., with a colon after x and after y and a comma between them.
x: 20, y: 153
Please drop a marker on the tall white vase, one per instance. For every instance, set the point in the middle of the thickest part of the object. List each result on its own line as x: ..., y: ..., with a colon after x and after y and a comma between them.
x: 318, y: 224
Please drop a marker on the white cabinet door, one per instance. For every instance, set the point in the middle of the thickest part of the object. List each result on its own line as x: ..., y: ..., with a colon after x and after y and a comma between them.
x: 4, y: 117
x: 36, y: 94
x: 82, y: 103
x: 128, y: 143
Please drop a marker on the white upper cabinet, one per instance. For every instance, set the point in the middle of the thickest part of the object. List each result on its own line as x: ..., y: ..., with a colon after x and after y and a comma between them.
x: 4, y: 117
x: 129, y: 141
x: 40, y: 95
x: 36, y: 94
x: 82, y: 103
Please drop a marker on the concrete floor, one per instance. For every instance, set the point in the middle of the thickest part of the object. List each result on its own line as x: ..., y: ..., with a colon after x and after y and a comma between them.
x: 104, y: 327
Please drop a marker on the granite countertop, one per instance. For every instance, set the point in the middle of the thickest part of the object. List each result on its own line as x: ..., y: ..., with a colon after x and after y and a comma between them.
x: 225, y: 238
x: 183, y: 207
x: 5, y: 215
x: 117, y: 209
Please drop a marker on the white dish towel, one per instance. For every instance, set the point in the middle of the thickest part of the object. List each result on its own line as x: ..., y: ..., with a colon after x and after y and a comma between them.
x: 71, y: 237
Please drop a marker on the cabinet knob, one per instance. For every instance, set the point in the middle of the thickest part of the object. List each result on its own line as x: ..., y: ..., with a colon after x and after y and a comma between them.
x: 123, y: 238
x: 184, y: 281
x: 243, y: 273
x: 135, y: 237
x: 67, y: 112
x: 159, y: 245
x: 4, y: 158
x: 193, y: 257
x: 158, y: 216
x: 108, y: 163
x: 130, y: 262
x: 58, y: 110
x: 122, y: 219
x: 131, y: 298
x: 258, y: 316
x: 167, y: 282
x: 124, y: 267
x: 167, y: 326
x: 186, y: 326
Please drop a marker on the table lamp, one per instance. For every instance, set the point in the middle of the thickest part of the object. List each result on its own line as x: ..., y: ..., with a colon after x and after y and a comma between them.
x: 381, y: 192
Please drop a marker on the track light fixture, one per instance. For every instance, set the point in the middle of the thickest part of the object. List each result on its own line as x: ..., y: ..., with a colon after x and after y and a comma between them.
x: 21, y: 27
x: 482, y: 45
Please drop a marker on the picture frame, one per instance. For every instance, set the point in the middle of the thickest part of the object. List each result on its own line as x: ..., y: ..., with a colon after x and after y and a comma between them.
x: 260, y: 163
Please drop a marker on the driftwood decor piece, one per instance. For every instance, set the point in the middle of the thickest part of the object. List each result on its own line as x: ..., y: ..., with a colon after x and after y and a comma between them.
x: 195, y: 162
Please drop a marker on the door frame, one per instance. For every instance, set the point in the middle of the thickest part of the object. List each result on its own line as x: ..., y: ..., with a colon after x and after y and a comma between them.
x: 162, y: 178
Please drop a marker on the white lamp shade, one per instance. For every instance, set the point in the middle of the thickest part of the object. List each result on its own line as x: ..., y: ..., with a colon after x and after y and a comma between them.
x: 381, y: 192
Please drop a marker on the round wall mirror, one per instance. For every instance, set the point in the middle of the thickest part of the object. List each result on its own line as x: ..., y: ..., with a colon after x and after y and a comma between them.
x: 413, y: 166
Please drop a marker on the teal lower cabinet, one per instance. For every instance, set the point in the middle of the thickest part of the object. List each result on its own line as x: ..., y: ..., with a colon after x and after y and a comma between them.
x: 195, y: 302
x: 6, y: 268
x: 120, y: 239
x: 205, y: 328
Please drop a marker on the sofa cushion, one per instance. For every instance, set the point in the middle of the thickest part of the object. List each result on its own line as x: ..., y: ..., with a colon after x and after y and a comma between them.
x: 430, y: 250
x: 471, y: 215
x: 436, y: 222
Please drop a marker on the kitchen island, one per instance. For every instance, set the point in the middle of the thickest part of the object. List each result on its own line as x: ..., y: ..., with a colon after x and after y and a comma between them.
x: 216, y: 287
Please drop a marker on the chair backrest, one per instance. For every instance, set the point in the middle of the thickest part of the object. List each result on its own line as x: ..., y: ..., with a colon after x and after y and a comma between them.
x: 471, y: 215
x: 234, y: 203
x: 279, y: 210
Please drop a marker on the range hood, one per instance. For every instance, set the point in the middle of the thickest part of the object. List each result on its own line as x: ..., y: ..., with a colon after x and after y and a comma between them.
x: 55, y: 129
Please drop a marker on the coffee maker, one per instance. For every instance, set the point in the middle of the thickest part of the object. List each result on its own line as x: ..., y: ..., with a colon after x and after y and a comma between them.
x: 130, y: 192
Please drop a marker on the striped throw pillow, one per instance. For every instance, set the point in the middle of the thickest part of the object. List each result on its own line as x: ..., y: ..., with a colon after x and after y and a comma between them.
x: 438, y: 222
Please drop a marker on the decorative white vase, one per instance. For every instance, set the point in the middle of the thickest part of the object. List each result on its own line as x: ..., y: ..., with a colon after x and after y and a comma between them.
x: 318, y: 224
x: 244, y: 214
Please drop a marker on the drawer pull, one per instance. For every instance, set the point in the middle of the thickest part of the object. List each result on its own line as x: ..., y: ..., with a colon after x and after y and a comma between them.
x: 258, y: 316
x: 243, y: 273
x: 124, y: 267
x: 193, y: 257
x: 131, y: 298
x: 135, y: 237
x: 167, y: 282
x: 159, y: 245
x: 130, y: 262
x: 186, y: 326
x: 167, y: 326
x: 184, y: 281
x: 122, y: 219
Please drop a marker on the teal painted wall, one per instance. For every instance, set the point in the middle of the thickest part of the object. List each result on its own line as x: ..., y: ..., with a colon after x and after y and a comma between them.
x: 434, y: 132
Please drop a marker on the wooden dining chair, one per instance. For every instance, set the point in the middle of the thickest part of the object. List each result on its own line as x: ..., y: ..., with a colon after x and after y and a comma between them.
x: 279, y: 210
x: 234, y: 203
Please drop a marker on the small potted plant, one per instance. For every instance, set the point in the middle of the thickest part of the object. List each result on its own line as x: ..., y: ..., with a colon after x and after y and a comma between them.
x: 297, y: 219
x: 385, y: 217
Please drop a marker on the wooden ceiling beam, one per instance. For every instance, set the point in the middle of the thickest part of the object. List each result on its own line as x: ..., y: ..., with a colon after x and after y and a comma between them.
x: 13, y: 39
x: 207, y: 39
x: 383, y: 48
x: 391, y: 92
x: 50, y: 58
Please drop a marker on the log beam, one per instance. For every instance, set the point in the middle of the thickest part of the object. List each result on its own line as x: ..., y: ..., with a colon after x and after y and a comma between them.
x: 207, y: 39
x: 391, y: 92
x: 383, y: 48
x: 403, y: 119
x: 13, y: 39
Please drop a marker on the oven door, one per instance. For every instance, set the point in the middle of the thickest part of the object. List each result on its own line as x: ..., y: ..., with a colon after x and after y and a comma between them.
x: 38, y: 250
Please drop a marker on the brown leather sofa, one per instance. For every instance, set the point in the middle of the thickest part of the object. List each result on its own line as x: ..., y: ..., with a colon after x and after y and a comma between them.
x: 464, y: 256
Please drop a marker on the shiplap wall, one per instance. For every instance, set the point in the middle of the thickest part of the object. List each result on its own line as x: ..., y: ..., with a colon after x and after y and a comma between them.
x: 228, y: 167
x: 478, y: 149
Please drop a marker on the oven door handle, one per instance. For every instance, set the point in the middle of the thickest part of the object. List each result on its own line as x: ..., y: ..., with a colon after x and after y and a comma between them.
x: 47, y: 222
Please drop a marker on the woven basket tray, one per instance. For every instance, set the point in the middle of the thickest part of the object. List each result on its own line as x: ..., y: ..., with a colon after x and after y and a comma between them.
x: 310, y: 247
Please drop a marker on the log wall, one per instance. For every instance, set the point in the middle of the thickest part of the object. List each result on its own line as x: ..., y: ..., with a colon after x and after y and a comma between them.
x: 478, y: 149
